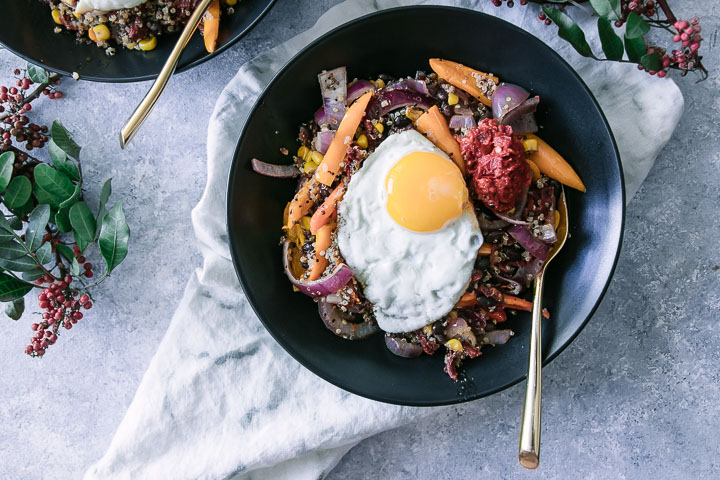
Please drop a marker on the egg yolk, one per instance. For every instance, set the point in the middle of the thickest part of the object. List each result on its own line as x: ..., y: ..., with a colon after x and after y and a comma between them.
x: 425, y: 191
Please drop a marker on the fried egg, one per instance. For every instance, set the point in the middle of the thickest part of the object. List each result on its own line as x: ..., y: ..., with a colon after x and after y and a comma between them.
x: 84, y: 6
x: 408, y: 231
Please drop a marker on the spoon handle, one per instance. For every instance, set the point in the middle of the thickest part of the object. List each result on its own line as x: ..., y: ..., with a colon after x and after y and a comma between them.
x: 132, y: 125
x: 529, y: 449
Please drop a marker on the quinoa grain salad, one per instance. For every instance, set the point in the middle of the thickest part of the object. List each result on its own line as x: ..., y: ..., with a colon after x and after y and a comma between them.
x: 132, y: 24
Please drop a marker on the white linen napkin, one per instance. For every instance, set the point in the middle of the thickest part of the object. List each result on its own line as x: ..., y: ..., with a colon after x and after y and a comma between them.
x: 221, y: 399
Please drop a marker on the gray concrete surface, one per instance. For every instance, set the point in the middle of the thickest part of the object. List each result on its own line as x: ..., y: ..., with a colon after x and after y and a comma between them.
x: 636, y: 396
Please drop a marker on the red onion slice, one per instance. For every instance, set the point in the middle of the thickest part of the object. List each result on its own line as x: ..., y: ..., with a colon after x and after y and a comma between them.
x: 532, y: 244
x: 331, y: 283
x: 507, y: 97
x: 412, y: 84
x: 525, y: 108
x: 402, y: 348
x: 277, y: 171
x: 496, y: 337
x: 523, y: 125
x: 333, y: 88
x: 463, y: 121
x: 357, y: 88
x: 322, y: 140
x: 388, y: 100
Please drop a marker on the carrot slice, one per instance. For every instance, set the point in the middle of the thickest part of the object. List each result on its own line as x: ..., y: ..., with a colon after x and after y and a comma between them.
x: 303, y: 201
x: 433, y: 124
x: 485, y: 249
x: 328, y: 210
x: 465, y: 78
x: 552, y: 164
x: 517, y: 303
x: 322, y: 243
x: 330, y: 165
x: 467, y: 300
x: 211, y: 25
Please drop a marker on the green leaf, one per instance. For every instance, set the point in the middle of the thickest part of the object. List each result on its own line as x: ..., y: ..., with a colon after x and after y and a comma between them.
x: 56, y: 153
x: 652, y: 61
x: 62, y: 139
x: 75, y: 267
x: 7, y: 160
x: 44, y: 254
x: 18, y: 192
x: 635, y: 26
x: 15, y: 308
x: 114, y: 236
x: 33, y: 275
x: 69, y: 169
x: 569, y: 31
x: 36, y: 227
x: 23, y: 210
x: 37, y: 74
x: 44, y: 197
x: 73, y: 198
x: 82, y: 221
x: 22, y: 264
x: 612, y: 45
x: 55, y: 183
x: 66, y: 252
x: 15, y: 223
x: 6, y: 231
x: 12, y: 250
x: 81, y: 243
x: 635, y: 48
x: 62, y: 220
x: 607, y: 9
x: 11, y: 288
x: 104, y: 196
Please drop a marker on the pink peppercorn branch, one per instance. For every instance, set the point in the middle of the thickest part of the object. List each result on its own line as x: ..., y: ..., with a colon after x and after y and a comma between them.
x: 45, y: 225
x: 637, y: 17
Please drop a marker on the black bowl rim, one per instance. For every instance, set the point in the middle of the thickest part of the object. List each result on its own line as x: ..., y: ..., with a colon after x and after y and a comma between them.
x: 235, y: 171
x: 142, y: 78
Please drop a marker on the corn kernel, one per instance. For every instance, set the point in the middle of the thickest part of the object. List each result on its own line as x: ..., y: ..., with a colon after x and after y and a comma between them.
x: 316, y: 157
x: 379, y: 83
x: 452, y: 99
x: 131, y: 45
x: 413, y: 113
x: 453, y: 314
x: 362, y: 141
x: 77, y: 15
x: 56, y: 16
x: 147, y: 43
x: 230, y: 2
x: 302, y: 152
x: 427, y: 329
x: 305, y: 222
x: 379, y: 127
x: 309, y: 166
x: 99, y: 33
x: 530, y: 145
x: 454, y: 344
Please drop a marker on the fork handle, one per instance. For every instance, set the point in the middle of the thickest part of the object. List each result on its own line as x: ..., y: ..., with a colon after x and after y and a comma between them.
x: 132, y: 125
x: 529, y: 449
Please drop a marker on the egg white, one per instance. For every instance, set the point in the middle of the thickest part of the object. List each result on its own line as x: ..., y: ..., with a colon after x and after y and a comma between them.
x: 411, y: 278
x: 84, y: 6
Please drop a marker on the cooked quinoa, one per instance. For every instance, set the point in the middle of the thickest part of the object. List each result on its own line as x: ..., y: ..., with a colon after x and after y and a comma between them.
x: 133, y: 28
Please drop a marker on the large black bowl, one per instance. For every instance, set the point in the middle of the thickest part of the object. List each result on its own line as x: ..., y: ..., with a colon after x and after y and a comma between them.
x: 26, y: 29
x: 572, y: 122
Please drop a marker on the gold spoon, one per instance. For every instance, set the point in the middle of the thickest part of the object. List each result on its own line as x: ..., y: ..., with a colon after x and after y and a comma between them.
x: 132, y: 125
x: 529, y: 449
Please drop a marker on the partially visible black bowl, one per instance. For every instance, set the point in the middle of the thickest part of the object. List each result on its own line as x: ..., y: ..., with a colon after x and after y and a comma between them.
x: 572, y: 122
x: 27, y: 29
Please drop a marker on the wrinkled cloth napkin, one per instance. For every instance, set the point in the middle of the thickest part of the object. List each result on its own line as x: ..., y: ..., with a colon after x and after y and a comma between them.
x: 221, y: 399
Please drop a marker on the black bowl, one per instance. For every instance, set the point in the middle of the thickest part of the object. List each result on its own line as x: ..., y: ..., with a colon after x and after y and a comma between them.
x: 27, y: 30
x: 572, y: 122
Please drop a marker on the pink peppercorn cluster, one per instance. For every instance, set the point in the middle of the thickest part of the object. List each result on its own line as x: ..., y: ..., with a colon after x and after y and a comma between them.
x: 15, y: 102
x: 61, y: 304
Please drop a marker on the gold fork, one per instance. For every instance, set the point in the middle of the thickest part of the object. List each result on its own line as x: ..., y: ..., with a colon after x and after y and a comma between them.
x: 529, y: 449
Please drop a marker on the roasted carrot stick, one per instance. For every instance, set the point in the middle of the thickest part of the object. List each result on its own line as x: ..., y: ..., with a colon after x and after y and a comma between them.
x: 433, y: 124
x: 211, y: 25
x: 552, y: 164
x: 330, y: 165
x: 467, y: 300
x: 465, y: 78
x: 303, y: 201
x: 328, y: 210
x: 322, y: 243
x: 485, y: 249
x: 517, y: 303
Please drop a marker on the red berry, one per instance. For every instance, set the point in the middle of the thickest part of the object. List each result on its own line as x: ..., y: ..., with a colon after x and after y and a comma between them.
x: 42, y: 296
x: 51, y: 321
x: 34, y: 326
x: 548, y: 22
x: 76, y: 250
x: 541, y: 16
x: 45, y: 316
x: 81, y: 259
x: 58, y: 94
x: 39, y: 281
x: 84, y: 299
x: 68, y: 304
x: 29, y: 349
x: 89, y: 273
x: 88, y: 306
x: 52, y: 339
x: 77, y: 315
x: 62, y: 285
x: 43, y: 305
x: 60, y: 299
x: 41, y: 352
x: 13, y: 91
x: 67, y: 325
x: 88, y: 266
x: 68, y: 279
